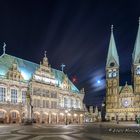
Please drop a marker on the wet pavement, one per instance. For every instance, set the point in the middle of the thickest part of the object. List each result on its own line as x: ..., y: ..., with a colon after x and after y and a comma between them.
x: 93, y: 131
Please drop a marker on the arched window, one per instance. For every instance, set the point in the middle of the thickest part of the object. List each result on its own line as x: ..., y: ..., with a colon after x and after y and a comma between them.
x: 2, y: 114
x: 23, y: 97
x: 13, y: 95
x: 110, y: 72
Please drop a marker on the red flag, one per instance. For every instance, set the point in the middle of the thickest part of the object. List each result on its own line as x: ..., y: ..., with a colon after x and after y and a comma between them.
x: 74, y: 79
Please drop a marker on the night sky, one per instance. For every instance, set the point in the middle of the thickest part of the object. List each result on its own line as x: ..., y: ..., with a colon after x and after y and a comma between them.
x: 73, y: 32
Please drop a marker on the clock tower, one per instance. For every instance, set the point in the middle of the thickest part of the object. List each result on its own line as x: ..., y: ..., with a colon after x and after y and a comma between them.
x: 112, y: 77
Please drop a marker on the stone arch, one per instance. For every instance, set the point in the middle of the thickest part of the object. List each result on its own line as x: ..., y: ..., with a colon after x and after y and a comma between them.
x: 14, y: 116
x: 112, y: 116
x: 53, y: 118
x: 3, y: 116
x: 45, y: 117
x: 122, y: 116
x: 75, y: 118
x: 36, y: 117
x: 61, y: 116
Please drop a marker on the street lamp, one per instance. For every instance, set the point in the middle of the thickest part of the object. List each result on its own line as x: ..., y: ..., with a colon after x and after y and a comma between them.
x: 103, y: 112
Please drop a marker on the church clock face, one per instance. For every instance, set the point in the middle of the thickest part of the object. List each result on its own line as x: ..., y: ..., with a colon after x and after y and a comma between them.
x: 126, y: 102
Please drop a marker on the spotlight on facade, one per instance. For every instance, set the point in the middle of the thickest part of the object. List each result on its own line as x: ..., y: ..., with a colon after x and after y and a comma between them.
x: 69, y: 114
x: 62, y: 114
x: 54, y: 113
x: 66, y: 111
x: 75, y: 115
x: 47, y: 114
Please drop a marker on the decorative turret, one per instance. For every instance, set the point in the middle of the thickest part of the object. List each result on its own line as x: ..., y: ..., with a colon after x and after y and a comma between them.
x: 45, y: 60
x: 4, y: 48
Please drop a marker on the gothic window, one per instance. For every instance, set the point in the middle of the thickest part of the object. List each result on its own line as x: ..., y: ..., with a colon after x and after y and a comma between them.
x: 109, y: 91
x: 23, y: 97
x: 2, y: 94
x: 13, y: 95
x: 114, y: 73
x: 114, y: 91
x: 110, y: 74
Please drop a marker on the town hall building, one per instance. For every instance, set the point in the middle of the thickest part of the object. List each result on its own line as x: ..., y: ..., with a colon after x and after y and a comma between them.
x: 38, y: 92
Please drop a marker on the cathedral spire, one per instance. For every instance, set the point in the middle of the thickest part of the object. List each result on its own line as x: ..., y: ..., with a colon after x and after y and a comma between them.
x: 136, y: 52
x: 112, y: 51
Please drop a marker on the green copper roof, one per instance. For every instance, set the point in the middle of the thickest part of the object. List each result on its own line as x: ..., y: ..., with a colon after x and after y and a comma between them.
x: 136, y: 52
x: 112, y: 51
x: 28, y: 68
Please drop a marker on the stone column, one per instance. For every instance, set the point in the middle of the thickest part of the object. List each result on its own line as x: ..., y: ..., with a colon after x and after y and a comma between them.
x: 7, y: 116
x: 8, y: 98
x: 57, y: 118
x: 49, y: 118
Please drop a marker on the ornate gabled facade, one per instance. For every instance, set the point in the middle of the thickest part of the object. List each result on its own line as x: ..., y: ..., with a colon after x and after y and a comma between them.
x: 37, y: 91
x: 122, y: 102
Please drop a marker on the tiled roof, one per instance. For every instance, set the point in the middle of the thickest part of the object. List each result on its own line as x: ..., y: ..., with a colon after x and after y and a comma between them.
x: 27, y: 69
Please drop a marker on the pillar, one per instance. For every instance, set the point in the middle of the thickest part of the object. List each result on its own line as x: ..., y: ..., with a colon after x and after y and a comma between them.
x: 57, y: 121
x: 49, y: 118
x: 40, y: 117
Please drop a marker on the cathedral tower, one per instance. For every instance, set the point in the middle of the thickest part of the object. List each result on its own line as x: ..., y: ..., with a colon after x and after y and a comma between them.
x: 112, y: 76
x: 136, y: 63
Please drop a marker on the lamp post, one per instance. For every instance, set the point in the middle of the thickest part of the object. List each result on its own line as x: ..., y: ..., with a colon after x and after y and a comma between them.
x: 117, y: 119
x: 103, y: 112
